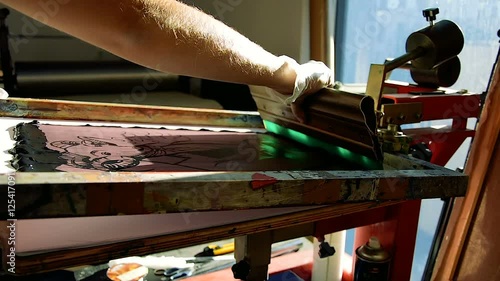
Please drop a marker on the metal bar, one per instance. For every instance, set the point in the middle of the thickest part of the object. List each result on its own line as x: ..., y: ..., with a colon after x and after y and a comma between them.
x: 402, y: 60
x: 111, y: 112
x: 378, y: 74
x: 442, y: 106
x: 405, y: 237
x: 375, y: 83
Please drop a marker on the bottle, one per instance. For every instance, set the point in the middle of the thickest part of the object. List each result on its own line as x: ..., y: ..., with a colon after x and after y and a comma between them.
x: 372, y: 262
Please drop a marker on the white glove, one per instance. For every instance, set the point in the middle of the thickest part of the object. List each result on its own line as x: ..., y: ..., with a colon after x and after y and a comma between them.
x: 3, y: 94
x: 311, y: 77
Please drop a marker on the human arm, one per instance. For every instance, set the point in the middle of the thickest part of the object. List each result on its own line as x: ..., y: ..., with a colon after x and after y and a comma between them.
x: 169, y: 36
x: 165, y: 35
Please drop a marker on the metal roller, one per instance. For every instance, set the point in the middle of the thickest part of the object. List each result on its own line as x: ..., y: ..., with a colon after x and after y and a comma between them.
x: 443, y: 75
x: 432, y: 52
x: 441, y: 41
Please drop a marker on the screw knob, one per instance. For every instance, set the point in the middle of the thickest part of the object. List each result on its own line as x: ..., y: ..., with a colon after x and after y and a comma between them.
x: 325, y: 250
x: 241, y: 270
x: 430, y: 14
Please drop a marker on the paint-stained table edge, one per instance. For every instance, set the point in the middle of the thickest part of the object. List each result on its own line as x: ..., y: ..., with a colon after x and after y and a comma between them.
x: 51, y: 195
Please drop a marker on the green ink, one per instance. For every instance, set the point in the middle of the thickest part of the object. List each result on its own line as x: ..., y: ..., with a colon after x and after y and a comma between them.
x: 302, y: 138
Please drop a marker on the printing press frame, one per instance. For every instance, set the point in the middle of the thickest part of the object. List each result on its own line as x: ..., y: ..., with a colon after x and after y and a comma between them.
x: 378, y: 194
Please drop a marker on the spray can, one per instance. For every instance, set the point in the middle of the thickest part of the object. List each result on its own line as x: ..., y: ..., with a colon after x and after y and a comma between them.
x: 372, y: 262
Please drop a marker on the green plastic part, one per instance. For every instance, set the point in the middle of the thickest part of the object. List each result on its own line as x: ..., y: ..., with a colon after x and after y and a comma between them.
x: 349, y: 156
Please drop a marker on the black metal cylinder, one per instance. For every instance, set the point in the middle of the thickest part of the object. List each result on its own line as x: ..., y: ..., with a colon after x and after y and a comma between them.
x: 443, y: 75
x: 442, y: 41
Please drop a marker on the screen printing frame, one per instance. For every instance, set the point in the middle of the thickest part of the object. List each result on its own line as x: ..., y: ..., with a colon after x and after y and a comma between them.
x: 402, y: 177
x: 118, y: 193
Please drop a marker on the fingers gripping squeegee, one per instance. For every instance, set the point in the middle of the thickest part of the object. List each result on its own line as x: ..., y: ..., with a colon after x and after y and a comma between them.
x: 342, y: 123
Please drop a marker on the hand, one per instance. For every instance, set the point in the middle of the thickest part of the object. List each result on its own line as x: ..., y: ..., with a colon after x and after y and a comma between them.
x: 310, y: 78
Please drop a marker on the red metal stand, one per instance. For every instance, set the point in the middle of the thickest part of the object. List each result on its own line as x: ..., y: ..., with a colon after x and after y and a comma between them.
x: 396, y: 225
x: 398, y: 234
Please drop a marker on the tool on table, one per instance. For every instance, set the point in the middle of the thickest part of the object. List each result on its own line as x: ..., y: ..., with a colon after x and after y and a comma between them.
x: 199, y: 265
x: 175, y: 273
x: 360, y: 126
x: 216, y: 250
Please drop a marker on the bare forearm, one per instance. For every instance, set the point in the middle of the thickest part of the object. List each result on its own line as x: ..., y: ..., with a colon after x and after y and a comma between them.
x: 197, y: 44
x: 168, y: 36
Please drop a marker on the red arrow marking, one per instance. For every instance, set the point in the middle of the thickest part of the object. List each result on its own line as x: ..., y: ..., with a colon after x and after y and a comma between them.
x: 260, y: 181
